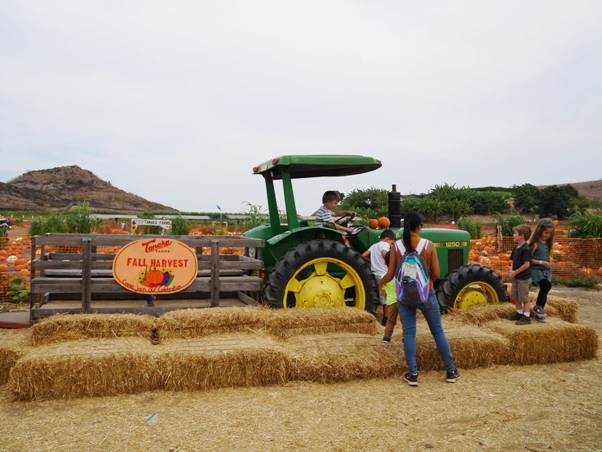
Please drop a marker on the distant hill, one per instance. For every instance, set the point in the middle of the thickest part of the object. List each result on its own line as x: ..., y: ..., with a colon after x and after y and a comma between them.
x: 590, y: 190
x: 62, y: 187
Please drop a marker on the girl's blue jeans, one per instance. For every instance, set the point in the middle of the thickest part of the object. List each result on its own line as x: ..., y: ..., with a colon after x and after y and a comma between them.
x: 432, y: 314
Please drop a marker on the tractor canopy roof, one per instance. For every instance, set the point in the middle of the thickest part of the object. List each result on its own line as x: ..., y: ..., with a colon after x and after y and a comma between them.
x: 300, y: 166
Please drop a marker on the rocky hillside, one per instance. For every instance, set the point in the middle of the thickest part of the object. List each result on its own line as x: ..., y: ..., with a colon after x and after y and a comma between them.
x: 64, y: 186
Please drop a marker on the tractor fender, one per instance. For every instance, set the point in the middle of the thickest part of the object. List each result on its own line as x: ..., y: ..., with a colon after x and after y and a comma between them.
x: 304, y: 234
x: 278, y: 245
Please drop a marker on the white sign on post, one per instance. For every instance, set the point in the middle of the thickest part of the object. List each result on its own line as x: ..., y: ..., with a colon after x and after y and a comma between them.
x: 164, y: 224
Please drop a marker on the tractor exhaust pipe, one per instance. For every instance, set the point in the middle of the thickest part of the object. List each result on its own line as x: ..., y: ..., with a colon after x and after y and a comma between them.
x: 395, y: 207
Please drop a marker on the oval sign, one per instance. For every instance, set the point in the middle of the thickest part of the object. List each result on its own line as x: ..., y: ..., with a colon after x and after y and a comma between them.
x: 155, y: 265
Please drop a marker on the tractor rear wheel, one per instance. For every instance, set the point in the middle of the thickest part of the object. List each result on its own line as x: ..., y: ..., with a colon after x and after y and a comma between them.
x: 322, y: 273
x: 470, y: 285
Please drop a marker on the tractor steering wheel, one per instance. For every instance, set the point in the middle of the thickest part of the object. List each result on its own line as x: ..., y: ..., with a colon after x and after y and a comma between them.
x: 344, y: 220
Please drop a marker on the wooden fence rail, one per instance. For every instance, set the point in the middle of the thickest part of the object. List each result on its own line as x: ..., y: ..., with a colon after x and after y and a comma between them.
x: 79, y: 266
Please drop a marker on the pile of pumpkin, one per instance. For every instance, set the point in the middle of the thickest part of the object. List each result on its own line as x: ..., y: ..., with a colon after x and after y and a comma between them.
x: 12, y: 258
x: 382, y: 222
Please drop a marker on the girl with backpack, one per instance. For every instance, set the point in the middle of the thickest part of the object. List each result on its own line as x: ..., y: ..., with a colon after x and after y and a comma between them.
x: 412, y: 225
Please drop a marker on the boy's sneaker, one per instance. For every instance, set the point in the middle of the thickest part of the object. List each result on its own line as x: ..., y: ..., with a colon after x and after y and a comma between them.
x: 387, y: 340
x: 452, y: 377
x: 384, y: 321
x: 524, y: 320
x: 516, y: 316
x: 410, y: 379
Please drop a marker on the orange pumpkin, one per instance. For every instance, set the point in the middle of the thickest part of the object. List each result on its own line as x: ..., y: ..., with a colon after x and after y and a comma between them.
x: 373, y: 223
x: 154, y: 277
x: 384, y: 222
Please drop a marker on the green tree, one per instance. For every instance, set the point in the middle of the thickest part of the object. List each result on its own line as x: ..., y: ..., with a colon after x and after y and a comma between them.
x: 488, y: 202
x: 556, y: 201
x: 526, y: 197
x: 412, y: 203
x: 370, y: 203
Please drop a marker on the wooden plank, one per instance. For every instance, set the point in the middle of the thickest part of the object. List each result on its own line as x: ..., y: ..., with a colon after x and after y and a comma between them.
x: 86, y: 275
x: 215, y: 280
x: 86, y: 272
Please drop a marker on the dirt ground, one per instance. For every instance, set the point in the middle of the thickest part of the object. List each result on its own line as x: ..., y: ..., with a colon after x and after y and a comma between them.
x: 535, y: 408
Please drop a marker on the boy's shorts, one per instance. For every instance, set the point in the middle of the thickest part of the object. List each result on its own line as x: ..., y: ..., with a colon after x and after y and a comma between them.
x: 520, y: 290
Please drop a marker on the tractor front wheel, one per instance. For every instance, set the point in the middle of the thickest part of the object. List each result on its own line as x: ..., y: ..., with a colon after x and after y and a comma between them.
x: 470, y: 285
x: 322, y: 273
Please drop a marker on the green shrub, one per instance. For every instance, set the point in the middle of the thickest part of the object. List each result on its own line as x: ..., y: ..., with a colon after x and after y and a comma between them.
x: 587, y: 281
x: 472, y: 227
x: 37, y: 227
x: 16, y: 290
x: 55, y: 223
x: 180, y: 226
x: 508, y: 223
x: 79, y: 219
x: 584, y: 225
x: 254, y: 215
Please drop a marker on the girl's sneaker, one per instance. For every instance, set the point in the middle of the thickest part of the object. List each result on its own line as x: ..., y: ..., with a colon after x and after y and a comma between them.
x: 411, y: 379
x: 539, y: 314
x: 452, y: 377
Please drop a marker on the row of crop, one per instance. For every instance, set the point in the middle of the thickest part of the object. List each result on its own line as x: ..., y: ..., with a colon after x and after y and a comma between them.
x: 571, y: 256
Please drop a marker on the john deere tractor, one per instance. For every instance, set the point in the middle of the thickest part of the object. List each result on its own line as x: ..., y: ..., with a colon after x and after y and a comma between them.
x: 310, y: 266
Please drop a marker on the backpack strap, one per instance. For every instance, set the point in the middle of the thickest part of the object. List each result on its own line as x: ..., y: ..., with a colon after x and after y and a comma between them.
x: 422, y: 244
x: 400, y: 246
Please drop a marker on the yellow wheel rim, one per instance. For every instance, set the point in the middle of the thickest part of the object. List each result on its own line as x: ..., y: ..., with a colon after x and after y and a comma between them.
x: 323, y: 282
x: 481, y: 293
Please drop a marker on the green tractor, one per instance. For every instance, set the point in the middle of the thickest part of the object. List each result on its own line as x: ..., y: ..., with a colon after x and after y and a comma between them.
x: 313, y: 266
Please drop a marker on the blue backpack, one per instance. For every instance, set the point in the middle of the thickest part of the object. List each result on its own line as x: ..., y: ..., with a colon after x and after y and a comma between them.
x: 412, y: 284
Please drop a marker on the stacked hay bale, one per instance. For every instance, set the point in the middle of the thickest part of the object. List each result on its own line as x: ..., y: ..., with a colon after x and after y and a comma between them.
x: 12, y: 346
x: 558, y: 340
x: 86, y: 368
x: 94, y: 355
x: 65, y: 327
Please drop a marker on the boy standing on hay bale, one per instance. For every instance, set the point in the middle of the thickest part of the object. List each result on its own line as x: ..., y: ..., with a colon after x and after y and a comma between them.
x: 412, y: 225
x: 520, y: 273
x: 376, y: 256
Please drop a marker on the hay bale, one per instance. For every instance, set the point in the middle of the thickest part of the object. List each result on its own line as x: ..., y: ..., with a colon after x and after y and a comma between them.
x: 13, y: 342
x: 471, y: 346
x: 565, y: 308
x: 482, y: 313
x: 222, y: 361
x: 196, y: 323
x: 286, y: 323
x: 551, y: 342
x: 336, y: 357
x: 98, y: 367
x: 281, y: 323
x: 74, y: 327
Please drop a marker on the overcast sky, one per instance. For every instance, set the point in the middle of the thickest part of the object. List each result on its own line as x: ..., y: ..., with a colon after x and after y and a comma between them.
x: 176, y: 101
